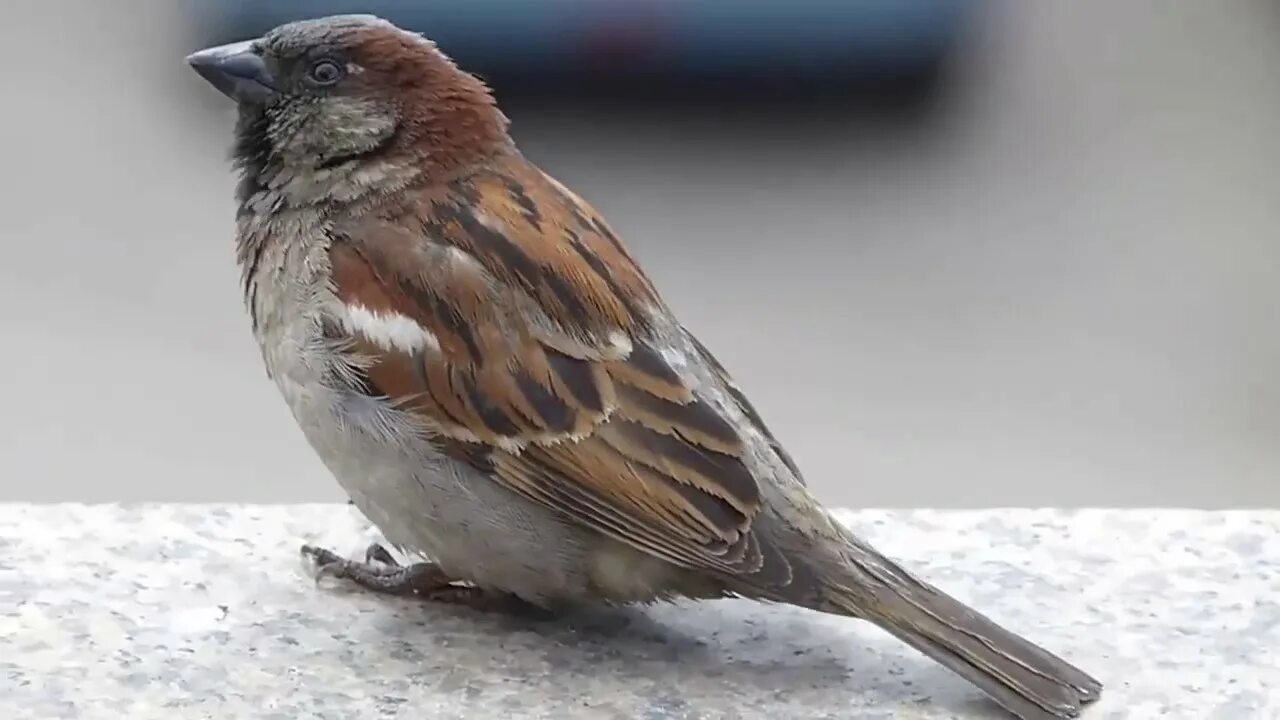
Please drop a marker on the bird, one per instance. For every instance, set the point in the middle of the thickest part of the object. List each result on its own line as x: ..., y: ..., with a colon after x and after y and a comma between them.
x: 482, y: 365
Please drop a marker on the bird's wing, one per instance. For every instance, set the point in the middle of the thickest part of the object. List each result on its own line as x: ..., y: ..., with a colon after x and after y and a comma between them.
x: 504, y: 314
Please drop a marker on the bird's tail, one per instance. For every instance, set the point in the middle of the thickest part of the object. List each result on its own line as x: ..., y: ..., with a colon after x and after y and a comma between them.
x: 1024, y: 678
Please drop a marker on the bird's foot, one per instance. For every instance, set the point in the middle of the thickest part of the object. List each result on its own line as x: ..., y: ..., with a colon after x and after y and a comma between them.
x: 375, y: 553
x: 382, y: 574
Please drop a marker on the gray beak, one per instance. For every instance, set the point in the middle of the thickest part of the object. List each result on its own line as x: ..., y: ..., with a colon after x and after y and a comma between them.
x: 236, y: 70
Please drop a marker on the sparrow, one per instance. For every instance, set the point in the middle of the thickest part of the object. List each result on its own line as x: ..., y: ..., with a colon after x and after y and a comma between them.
x: 487, y: 372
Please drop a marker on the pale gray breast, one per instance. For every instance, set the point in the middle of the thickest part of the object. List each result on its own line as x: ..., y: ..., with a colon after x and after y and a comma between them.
x: 369, y: 447
x: 421, y: 500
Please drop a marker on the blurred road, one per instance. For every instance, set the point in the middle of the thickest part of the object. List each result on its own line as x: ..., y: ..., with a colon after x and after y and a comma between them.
x: 1062, y: 288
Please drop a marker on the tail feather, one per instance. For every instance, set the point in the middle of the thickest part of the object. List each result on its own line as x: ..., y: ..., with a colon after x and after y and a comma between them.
x: 1025, y: 679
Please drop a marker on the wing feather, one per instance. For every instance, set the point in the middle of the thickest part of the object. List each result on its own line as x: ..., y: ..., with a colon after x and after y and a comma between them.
x: 537, y: 364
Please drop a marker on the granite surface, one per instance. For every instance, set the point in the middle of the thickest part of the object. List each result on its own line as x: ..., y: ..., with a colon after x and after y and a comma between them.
x: 189, y: 611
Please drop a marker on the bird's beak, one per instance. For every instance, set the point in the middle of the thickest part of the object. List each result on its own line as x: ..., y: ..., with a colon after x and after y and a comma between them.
x: 237, y: 71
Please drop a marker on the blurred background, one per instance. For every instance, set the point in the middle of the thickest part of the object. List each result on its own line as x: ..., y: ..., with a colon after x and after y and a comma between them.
x: 959, y: 252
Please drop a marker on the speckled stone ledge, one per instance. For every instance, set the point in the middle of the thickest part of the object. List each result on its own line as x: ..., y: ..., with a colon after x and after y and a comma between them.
x: 188, y: 611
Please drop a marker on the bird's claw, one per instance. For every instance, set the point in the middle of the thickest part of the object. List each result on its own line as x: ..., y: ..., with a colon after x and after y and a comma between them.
x: 376, y: 553
x: 325, y: 563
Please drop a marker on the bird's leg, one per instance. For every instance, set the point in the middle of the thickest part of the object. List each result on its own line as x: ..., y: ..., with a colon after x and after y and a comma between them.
x: 375, y: 553
x: 381, y: 573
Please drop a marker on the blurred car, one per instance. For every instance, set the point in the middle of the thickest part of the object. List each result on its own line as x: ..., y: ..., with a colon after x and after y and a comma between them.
x: 648, y: 39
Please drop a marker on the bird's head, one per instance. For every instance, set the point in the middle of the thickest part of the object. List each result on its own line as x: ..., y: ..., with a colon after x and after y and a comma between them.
x: 333, y: 94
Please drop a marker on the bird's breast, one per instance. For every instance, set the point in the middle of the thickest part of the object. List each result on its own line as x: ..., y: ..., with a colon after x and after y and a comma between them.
x: 374, y: 453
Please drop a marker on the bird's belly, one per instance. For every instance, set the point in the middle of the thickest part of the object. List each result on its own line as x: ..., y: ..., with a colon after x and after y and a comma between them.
x: 428, y: 504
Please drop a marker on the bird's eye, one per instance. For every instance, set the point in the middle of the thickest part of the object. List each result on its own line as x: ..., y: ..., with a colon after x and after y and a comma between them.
x: 325, y: 72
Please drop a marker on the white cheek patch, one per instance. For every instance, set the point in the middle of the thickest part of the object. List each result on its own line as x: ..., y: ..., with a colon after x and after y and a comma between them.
x: 390, y: 330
